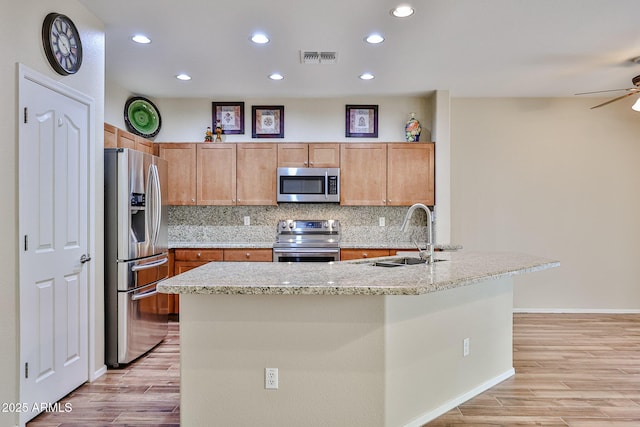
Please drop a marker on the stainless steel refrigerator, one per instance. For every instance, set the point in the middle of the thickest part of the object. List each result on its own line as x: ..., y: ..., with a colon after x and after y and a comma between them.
x: 136, y: 253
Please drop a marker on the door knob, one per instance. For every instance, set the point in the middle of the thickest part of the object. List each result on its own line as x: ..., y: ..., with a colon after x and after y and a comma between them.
x: 85, y: 258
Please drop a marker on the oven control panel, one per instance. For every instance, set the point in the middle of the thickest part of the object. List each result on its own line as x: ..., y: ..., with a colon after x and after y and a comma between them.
x: 308, y: 226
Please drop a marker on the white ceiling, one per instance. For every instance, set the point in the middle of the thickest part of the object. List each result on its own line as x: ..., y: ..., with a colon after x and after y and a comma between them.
x: 473, y: 48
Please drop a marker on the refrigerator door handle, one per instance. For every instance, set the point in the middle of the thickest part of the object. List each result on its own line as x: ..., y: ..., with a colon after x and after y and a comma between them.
x: 150, y: 265
x: 158, y: 200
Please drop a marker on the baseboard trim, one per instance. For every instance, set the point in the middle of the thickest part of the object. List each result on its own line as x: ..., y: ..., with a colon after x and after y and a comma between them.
x: 577, y: 310
x: 443, y: 409
x: 97, y: 374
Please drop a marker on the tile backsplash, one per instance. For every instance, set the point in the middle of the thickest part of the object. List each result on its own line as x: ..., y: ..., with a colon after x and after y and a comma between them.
x: 360, y: 224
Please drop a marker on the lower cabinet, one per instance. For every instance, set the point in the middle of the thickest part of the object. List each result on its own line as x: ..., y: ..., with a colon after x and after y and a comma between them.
x: 186, y: 259
x: 362, y: 253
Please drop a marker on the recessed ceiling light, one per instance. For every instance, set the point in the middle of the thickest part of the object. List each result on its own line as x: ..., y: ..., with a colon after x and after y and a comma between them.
x: 374, y: 38
x: 276, y: 76
x: 259, y: 38
x: 402, y: 11
x: 366, y: 76
x: 141, y: 38
x: 183, y: 77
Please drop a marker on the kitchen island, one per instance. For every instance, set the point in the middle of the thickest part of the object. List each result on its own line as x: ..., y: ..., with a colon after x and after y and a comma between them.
x: 354, y: 344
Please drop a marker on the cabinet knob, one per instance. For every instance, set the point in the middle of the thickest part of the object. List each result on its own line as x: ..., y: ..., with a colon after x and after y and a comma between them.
x: 311, y: 163
x: 199, y: 255
x: 304, y: 163
x: 193, y: 200
x: 248, y: 254
x: 364, y: 255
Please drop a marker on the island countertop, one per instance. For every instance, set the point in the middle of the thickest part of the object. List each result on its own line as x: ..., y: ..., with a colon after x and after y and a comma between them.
x: 357, y: 277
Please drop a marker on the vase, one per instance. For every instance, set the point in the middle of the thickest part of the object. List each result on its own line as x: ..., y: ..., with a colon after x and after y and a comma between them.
x: 412, y: 129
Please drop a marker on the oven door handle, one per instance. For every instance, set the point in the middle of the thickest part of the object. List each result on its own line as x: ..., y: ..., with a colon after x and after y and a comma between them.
x: 309, y: 251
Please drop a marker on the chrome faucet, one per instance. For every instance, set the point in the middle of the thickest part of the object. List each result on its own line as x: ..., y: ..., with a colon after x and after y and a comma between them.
x: 405, y: 227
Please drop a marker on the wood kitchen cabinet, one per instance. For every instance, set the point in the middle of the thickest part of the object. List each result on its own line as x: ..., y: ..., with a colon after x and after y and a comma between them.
x: 187, y: 259
x: 314, y: 155
x: 359, y: 253
x: 256, y: 166
x: 410, y: 174
x: 118, y: 138
x: 395, y: 174
x: 110, y: 136
x: 216, y: 174
x: 182, y: 172
x: 363, y: 174
x: 254, y: 255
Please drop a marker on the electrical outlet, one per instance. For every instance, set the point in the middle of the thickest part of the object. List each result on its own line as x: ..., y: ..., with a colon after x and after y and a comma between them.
x: 247, y: 220
x: 271, y: 378
x: 465, y: 347
x: 381, y: 221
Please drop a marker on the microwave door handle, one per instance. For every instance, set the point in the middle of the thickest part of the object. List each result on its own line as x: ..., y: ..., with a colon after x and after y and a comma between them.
x: 326, y: 185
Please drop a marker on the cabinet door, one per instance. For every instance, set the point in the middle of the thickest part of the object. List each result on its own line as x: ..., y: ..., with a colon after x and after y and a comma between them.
x: 293, y: 155
x: 254, y: 255
x: 363, y: 174
x: 356, y: 253
x: 216, y: 174
x: 410, y: 174
x: 324, y: 155
x: 126, y: 139
x: 144, y: 145
x: 110, y: 136
x: 182, y: 172
x: 256, y: 174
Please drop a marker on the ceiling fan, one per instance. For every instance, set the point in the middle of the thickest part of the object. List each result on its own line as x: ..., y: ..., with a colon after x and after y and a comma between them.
x: 630, y: 92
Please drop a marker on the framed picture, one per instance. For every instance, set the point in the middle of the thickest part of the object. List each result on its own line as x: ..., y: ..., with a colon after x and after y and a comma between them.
x: 361, y: 121
x: 267, y: 121
x: 230, y: 115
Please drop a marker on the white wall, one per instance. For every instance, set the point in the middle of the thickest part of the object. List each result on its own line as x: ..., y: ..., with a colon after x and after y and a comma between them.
x: 551, y: 177
x: 305, y: 119
x: 20, y: 41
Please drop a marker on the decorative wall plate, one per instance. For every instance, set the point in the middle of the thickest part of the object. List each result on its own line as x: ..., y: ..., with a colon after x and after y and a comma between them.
x: 142, y: 117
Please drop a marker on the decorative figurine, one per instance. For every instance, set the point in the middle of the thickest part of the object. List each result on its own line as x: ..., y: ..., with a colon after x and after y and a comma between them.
x: 412, y: 129
x: 218, y: 131
x: 208, y: 135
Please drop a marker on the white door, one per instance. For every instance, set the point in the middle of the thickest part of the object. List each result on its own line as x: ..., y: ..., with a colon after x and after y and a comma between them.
x: 54, y: 234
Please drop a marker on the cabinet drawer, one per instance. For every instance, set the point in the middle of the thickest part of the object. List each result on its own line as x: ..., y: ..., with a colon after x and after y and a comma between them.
x: 347, y: 254
x: 199, y: 255
x: 255, y: 255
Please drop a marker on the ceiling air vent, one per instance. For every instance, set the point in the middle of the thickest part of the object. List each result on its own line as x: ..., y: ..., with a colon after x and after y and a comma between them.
x: 314, y: 57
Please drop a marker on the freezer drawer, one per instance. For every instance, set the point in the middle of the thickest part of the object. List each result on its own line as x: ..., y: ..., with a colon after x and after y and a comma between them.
x: 142, y: 324
x: 142, y: 272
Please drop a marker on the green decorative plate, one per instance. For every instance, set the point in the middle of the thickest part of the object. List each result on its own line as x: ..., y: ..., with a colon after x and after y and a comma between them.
x: 142, y: 117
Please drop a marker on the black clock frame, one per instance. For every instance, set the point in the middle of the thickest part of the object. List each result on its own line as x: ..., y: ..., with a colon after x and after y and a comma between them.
x: 50, y: 43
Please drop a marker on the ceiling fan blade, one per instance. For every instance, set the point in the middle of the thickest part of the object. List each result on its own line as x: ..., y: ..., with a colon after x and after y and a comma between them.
x: 601, y: 91
x: 614, y: 100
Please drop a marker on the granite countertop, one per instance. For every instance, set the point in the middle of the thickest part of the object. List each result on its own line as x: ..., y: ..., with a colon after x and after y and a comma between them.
x: 343, y: 245
x: 356, y: 277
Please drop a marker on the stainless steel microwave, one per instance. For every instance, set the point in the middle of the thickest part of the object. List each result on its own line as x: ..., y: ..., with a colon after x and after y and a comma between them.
x: 310, y: 185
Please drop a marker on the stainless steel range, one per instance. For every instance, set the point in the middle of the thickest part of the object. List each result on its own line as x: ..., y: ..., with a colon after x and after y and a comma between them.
x: 307, y: 241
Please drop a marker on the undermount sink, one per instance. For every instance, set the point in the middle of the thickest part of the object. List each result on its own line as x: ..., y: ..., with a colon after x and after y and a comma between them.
x: 399, y: 262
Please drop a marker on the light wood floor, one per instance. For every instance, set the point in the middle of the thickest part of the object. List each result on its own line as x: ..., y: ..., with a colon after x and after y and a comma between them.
x: 571, y: 370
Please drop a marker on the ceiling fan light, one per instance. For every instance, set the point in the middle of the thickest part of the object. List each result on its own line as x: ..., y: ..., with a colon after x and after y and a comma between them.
x: 636, y: 105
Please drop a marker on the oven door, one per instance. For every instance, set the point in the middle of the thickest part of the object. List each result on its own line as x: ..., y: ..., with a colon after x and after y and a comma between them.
x: 306, y: 254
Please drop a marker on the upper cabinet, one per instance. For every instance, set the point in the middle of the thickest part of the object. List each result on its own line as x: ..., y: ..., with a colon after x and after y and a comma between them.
x: 256, y: 174
x: 398, y: 174
x: 410, y: 174
x: 118, y: 138
x: 216, y: 174
x: 315, y: 155
x: 182, y: 172
x: 363, y: 174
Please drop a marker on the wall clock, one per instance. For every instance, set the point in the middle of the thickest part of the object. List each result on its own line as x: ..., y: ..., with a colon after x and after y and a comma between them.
x: 62, y: 45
